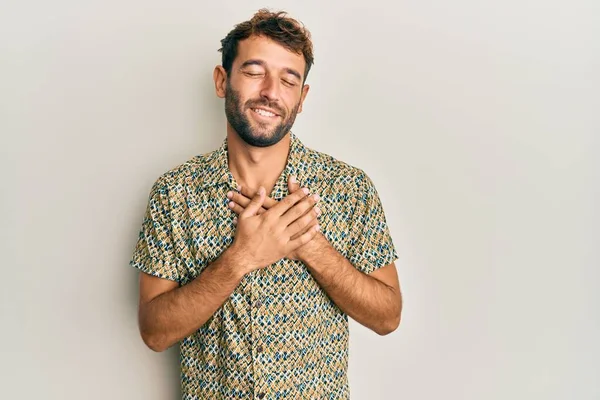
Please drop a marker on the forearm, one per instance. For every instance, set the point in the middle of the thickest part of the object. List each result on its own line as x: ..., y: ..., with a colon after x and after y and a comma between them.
x: 365, y: 299
x: 173, y: 315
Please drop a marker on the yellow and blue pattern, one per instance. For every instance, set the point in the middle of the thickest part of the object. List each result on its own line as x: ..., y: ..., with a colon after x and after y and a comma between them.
x: 278, y: 336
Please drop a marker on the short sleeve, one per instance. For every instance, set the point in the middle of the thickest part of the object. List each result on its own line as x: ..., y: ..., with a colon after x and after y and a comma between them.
x: 371, y: 246
x: 154, y: 251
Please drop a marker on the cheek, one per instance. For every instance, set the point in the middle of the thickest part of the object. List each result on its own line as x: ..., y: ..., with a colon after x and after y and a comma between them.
x: 244, y: 92
x: 292, y: 101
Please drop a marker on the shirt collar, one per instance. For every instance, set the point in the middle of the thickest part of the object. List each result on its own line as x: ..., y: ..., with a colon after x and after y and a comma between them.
x: 218, y: 173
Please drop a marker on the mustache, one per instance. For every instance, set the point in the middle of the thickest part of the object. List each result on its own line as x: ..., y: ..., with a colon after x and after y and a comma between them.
x: 265, y: 103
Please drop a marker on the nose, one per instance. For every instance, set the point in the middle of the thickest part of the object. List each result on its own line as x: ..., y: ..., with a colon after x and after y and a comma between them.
x: 270, y: 88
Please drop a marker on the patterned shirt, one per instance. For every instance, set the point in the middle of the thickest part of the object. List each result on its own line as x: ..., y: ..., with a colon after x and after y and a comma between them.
x: 278, y: 335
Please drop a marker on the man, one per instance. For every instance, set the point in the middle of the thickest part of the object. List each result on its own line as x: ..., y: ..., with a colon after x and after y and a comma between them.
x: 255, y: 254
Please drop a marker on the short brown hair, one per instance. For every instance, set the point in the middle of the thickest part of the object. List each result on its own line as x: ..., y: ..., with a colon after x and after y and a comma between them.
x: 276, y: 26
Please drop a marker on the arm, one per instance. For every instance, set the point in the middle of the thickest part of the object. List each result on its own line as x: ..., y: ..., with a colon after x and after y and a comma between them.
x: 373, y: 300
x: 368, y: 294
x: 168, y: 313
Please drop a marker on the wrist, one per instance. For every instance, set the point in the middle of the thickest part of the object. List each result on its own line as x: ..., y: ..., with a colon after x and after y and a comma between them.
x: 309, y: 252
x: 234, y: 260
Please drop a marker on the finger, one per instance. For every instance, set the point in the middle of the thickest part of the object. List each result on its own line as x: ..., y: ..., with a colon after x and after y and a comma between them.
x: 300, y: 209
x: 314, y: 223
x: 248, y: 194
x: 302, y: 224
x: 289, y: 201
x: 242, y: 201
x: 293, y: 184
x: 239, y: 199
x: 238, y: 209
x: 255, y: 204
x: 303, y: 239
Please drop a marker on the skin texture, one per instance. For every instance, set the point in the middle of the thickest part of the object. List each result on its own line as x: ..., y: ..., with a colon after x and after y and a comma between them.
x: 271, y: 84
x: 264, y: 75
x: 267, y: 76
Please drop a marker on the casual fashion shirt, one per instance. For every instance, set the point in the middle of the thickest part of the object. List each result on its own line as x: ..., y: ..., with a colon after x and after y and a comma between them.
x: 278, y: 335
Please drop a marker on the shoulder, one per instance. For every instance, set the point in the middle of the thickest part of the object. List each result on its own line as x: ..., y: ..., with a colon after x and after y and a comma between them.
x: 331, y: 171
x: 177, y: 178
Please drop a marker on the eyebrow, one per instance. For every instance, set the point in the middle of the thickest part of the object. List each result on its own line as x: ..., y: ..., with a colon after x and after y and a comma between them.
x: 262, y: 64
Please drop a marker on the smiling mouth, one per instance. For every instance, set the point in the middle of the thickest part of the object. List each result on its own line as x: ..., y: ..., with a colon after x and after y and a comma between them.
x: 264, y: 113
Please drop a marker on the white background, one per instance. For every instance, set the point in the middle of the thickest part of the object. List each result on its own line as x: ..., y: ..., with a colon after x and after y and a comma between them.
x: 478, y: 121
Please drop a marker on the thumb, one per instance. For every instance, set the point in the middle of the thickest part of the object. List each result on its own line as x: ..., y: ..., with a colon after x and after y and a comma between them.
x: 293, y: 184
x: 255, y: 204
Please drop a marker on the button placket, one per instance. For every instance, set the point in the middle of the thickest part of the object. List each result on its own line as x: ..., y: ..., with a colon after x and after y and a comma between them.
x: 258, y: 348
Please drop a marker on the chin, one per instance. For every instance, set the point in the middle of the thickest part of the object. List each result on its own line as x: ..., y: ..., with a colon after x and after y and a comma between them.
x: 260, y: 140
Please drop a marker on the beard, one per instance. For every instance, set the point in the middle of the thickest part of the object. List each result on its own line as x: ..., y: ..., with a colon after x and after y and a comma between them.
x: 259, y: 136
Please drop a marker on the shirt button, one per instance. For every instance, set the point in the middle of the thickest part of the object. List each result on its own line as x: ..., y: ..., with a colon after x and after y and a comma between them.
x: 261, y: 395
x: 257, y: 303
x: 259, y: 349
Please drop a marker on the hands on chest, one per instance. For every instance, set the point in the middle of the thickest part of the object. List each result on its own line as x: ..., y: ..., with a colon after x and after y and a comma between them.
x: 268, y: 230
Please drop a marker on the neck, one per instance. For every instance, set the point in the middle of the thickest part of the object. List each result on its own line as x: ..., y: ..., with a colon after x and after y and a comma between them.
x: 253, y: 167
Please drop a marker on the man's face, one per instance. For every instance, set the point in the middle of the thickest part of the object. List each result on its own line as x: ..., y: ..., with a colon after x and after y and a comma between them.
x: 264, y: 91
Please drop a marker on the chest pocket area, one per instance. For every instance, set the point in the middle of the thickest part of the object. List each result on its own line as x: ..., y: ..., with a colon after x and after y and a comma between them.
x: 211, y: 232
x: 335, y: 221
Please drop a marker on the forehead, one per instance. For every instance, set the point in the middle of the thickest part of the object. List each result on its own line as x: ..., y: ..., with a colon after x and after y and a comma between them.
x: 272, y: 53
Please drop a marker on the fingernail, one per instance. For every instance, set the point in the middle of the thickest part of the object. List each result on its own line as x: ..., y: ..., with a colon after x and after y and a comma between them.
x: 231, y: 204
x: 317, y: 228
x: 238, y: 188
x: 261, y: 190
x: 229, y: 195
x: 293, y: 179
x: 305, y: 190
x: 318, y: 210
x: 316, y: 197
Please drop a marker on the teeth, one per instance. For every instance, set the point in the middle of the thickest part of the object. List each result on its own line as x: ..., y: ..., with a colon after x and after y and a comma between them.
x: 263, y: 112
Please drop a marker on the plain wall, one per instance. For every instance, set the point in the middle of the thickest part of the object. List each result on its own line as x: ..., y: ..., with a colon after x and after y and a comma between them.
x: 477, y: 121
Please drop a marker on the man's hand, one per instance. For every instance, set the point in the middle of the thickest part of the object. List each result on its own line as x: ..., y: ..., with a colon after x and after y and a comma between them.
x: 263, y: 238
x: 239, y: 202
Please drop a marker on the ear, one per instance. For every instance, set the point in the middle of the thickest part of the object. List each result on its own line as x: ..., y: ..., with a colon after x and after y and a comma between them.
x: 305, y: 90
x: 220, y: 78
